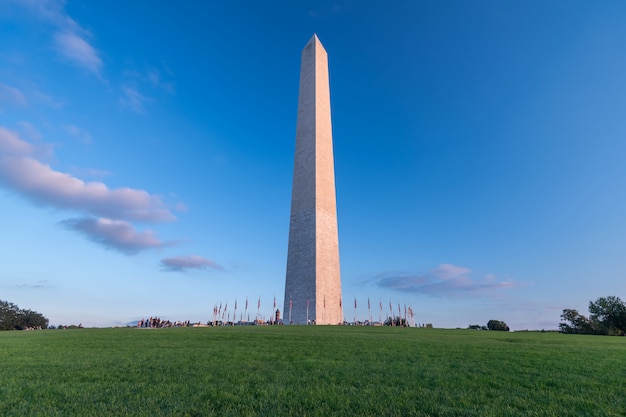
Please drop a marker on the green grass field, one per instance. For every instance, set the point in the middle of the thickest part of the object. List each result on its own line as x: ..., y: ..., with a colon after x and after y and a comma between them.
x: 310, y: 371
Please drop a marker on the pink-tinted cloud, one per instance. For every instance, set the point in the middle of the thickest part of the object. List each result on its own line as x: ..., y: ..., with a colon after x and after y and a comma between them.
x: 449, y: 272
x: 43, y: 185
x: 116, y: 234
x: 185, y: 263
x: 444, y: 280
x: 77, y: 50
x: 70, y: 39
x: 11, y: 144
x: 40, y: 183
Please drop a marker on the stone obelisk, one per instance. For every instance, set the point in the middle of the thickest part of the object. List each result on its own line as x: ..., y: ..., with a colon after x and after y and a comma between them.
x: 313, y: 282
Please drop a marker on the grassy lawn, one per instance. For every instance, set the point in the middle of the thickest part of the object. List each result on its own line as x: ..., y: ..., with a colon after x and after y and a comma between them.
x: 310, y: 371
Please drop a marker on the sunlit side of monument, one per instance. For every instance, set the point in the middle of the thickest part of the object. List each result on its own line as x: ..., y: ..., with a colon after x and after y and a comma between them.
x: 313, y: 282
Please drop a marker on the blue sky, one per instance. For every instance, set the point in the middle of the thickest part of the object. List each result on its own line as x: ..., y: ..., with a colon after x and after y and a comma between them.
x: 146, y: 156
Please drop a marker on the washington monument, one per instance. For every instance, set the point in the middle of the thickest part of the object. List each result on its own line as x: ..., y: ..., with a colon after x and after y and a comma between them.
x: 313, y: 282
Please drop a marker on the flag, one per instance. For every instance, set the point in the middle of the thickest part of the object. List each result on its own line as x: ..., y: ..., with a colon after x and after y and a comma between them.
x: 290, y: 302
x: 235, y: 304
x: 340, y: 302
x: 246, y: 303
x: 355, y: 303
x: 274, y: 302
x: 259, y: 303
x: 368, y: 303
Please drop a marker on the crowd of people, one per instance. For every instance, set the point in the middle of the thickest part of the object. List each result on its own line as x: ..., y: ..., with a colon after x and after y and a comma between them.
x: 157, y: 323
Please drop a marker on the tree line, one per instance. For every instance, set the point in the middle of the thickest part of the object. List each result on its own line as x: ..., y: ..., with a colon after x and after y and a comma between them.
x: 607, y: 316
x: 491, y: 325
x: 14, y: 318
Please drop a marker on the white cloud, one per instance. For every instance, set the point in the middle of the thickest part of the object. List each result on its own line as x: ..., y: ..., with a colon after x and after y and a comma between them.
x: 116, y: 234
x: 39, y: 182
x: 185, y: 263
x: 444, y: 280
x: 77, y: 50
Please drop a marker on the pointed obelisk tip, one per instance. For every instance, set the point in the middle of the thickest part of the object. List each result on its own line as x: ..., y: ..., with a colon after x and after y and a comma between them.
x: 315, y: 39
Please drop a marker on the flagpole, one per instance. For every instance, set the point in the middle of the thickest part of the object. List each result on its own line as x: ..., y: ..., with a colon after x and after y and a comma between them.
x: 406, y: 322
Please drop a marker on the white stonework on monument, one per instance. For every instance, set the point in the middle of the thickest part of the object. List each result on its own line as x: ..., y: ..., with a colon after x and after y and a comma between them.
x: 313, y: 282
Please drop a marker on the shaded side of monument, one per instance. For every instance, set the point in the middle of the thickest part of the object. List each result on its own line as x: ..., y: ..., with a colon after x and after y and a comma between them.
x: 313, y: 281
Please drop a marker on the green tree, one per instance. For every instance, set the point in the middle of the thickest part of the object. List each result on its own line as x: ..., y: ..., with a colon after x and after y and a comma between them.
x: 8, y: 315
x: 13, y: 318
x: 576, y: 323
x: 610, y: 314
x: 497, y: 325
